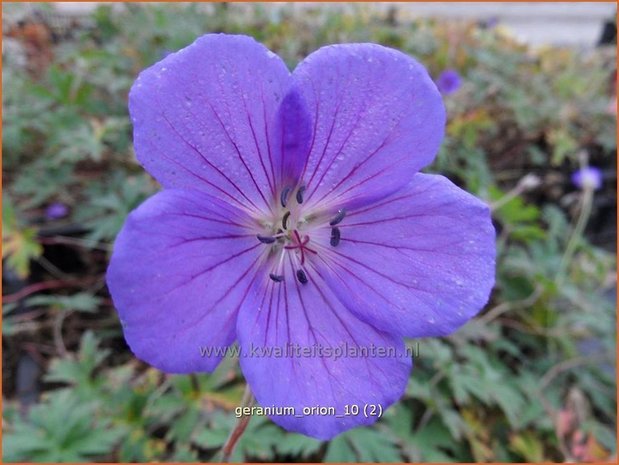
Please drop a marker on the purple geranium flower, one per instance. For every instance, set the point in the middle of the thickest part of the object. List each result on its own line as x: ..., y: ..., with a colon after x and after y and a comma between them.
x: 293, y: 214
x: 449, y: 81
x: 489, y: 23
x: 589, y: 177
x: 56, y: 210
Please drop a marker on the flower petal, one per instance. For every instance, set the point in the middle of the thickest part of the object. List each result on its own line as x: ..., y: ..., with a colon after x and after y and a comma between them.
x: 306, y: 316
x: 378, y: 118
x: 205, y: 118
x: 294, y: 133
x: 182, y: 265
x: 418, y: 263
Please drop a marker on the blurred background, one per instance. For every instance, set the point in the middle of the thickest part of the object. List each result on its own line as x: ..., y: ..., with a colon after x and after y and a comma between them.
x: 531, y: 98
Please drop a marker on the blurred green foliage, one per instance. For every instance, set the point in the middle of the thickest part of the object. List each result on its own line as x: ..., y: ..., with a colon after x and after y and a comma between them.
x: 519, y: 383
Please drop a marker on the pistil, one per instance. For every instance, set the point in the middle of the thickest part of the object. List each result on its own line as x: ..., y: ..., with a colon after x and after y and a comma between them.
x: 294, y: 232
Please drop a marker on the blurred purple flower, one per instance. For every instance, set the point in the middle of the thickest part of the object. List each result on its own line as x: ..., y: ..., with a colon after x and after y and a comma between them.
x: 490, y: 22
x: 291, y: 216
x: 449, y: 81
x: 56, y: 210
x: 588, y: 177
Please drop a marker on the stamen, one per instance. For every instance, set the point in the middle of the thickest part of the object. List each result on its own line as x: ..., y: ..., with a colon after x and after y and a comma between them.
x: 285, y: 220
x: 300, y: 194
x: 284, y: 196
x: 337, y: 219
x: 301, y: 276
x: 278, y: 278
x: 266, y: 239
x: 335, y: 236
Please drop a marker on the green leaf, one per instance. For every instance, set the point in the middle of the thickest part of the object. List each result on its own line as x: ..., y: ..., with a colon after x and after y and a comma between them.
x: 81, y: 302
x: 363, y: 445
x: 528, y: 446
x: 432, y: 443
x: 60, y: 429
x: 19, y: 244
x: 79, y: 372
x: 297, y: 445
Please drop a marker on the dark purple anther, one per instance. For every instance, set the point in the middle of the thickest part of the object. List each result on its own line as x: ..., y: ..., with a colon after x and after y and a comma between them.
x: 278, y: 278
x: 300, y: 194
x: 335, y: 236
x: 339, y: 216
x: 265, y: 239
x: 301, y: 276
x: 284, y: 196
x: 285, y: 220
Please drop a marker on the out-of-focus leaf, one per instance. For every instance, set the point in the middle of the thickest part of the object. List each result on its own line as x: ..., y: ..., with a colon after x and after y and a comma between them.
x: 363, y: 445
x: 62, y: 429
x: 19, y: 244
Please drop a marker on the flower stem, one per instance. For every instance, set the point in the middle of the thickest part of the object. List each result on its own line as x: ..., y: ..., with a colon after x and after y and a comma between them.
x: 195, y: 384
x: 577, y: 232
x: 527, y: 183
x: 238, y: 430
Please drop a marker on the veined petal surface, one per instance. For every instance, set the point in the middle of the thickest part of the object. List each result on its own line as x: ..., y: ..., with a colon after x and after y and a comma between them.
x: 310, y: 316
x: 207, y: 117
x: 377, y: 118
x: 418, y: 263
x: 182, y: 266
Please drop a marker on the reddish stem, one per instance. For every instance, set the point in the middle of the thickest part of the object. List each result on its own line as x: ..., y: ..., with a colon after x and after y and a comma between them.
x: 239, y: 429
x: 44, y: 285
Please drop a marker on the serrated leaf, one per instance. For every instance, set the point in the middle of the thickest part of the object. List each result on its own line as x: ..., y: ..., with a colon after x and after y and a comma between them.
x: 363, y: 445
x: 297, y: 445
x: 60, y: 429
x: 19, y: 247
x: 528, y: 446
